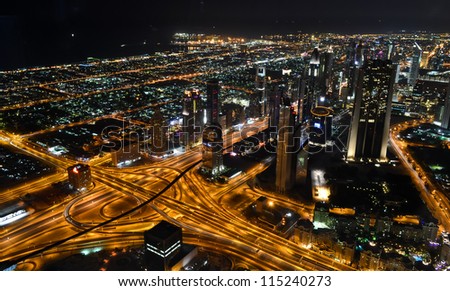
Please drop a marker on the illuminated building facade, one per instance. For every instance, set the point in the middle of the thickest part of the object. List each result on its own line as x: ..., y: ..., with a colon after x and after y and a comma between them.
x: 286, y: 162
x: 79, y: 176
x: 212, y: 148
x: 320, y: 126
x: 446, y: 117
x: 353, y: 63
x: 369, y: 132
x: 162, y: 243
x: 212, y: 108
x: 309, y: 87
x: 191, y: 116
x: 325, y: 76
x: 128, y: 153
x: 159, y: 143
x: 428, y: 97
x: 424, y: 60
x: 415, y: 64
x: 261, y: 84
x: 312, y: 86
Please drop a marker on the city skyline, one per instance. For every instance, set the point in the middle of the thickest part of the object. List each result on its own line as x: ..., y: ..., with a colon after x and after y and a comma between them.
x: 289, y: 150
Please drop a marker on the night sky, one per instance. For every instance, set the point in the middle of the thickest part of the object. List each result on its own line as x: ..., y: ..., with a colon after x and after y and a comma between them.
x: 39, y: 32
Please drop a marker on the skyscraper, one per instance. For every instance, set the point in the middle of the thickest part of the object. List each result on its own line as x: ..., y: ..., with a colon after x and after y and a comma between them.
x: 320, y: 127
x: 309, y: 88
x: 353, y: 63
x: 212, y: 108
x: 212, y: 149
x: 415, y: 64
x: 446, y: 117
x: 286, y: 162
x: 424, y: 60
x: 325, y: 76
x: 158, y: 129
x: 260, y: 84
x: 191, y: 116
x: 369, y: 132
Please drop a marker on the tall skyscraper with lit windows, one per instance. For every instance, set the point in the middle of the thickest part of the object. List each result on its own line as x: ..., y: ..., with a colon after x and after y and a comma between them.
x: 261, y: 84
x: 415, y: 64
x: 309, y: 86
x: 354, y: 59
x: 191, y: 117
x: 212, y: 109
x: 158, y: 129
x: 446, y: 117
x: 325, y: 75
x: 286, y: 162
x: 212, y: 148
x: 369, y: 131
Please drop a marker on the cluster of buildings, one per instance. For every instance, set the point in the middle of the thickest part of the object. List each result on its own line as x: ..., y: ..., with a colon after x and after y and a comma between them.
x: 365, y: 78
x: 16, y: 168
x: 370, y: 243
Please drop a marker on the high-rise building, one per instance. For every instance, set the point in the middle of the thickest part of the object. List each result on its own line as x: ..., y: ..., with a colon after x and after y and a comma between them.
x: 291, y: 83
x: 325, y: 76
x: 276, y: 97
x: 79, y: 176
x: 446, y: 116
x: 158, y: 129
x: 212, y: 108
x: 350, y: 77
x: 428, y: 97
x: 425, y: 58
x: 415, y: 64
x: 320, y: 128
x: 309, y: 86
x: 191, y: 117
x: 260, y: 84
x: 162, y: 243
x: 212, y: 149
x: 286, y: 162
x: 360, y: 54
x: 302, y: 101
x: 314, y: 63
x: 369, y: 132
x: 390, y: 51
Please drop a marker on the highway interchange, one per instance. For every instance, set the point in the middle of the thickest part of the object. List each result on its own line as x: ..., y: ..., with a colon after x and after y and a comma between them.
x: 191, y: 203
x: 116, y: 210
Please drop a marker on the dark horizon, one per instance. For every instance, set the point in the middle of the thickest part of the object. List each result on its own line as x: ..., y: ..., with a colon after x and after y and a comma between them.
x: 41, y: 33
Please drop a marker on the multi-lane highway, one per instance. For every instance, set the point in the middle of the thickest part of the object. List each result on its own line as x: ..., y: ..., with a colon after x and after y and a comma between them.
x: 191, y: 203
x: 436, y: 201
x: 199, y: 207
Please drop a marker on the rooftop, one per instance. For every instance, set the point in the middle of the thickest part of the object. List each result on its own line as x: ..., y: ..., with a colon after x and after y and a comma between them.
x: 162, y: 230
